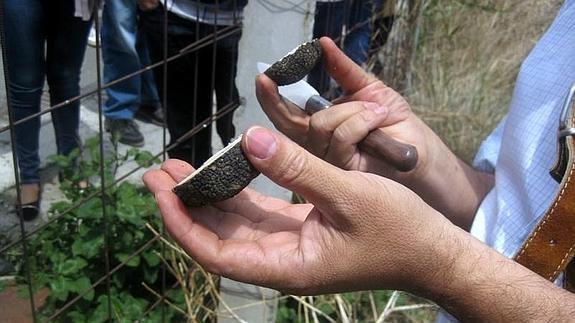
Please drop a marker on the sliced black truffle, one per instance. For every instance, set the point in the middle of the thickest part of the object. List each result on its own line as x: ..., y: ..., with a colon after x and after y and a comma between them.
x: 221, y: 177
x: 295, y: 65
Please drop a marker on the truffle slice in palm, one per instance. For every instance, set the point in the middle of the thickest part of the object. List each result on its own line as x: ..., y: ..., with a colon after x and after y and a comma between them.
x: 221, y: 177
x: 295, y: 65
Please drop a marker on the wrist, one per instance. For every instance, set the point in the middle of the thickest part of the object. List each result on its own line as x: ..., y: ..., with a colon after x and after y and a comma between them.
x: 445, y: 182
x: 435, y: 249
x: 476, y: 283
x: 441, y: 249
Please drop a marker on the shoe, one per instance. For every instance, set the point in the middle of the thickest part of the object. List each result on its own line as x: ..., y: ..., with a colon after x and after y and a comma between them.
x: 125, y: 131
x: 150, y: 114
x: 31, y: 210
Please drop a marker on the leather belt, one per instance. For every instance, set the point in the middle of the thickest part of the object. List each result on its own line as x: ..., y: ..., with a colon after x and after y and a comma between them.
x: 550, y: 248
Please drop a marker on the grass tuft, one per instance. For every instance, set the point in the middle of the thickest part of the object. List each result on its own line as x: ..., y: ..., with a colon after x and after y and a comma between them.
x: 467, y: 58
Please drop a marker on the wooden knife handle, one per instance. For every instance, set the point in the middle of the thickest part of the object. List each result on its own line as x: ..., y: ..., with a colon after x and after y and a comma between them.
x: 401, y: 156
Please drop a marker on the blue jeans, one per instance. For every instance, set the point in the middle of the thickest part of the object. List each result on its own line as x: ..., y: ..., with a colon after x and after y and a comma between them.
x: 330, y: 18
x: 124, y: 51
x: 43, y: 41
x: 356, y: 44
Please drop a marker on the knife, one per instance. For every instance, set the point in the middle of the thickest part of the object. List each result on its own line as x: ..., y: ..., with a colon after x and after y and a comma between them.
x: 377, y: 143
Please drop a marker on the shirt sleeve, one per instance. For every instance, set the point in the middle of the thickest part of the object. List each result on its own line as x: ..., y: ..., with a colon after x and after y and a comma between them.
x: 488, y: 153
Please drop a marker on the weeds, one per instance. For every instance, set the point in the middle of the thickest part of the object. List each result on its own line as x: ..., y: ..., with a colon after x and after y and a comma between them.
x: 466, y: 62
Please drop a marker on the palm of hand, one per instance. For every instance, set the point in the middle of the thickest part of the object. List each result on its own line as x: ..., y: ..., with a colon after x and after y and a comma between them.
x: 252, y: 231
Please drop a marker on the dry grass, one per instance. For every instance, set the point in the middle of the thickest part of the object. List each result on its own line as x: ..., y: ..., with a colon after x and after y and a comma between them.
x: 467, y: 60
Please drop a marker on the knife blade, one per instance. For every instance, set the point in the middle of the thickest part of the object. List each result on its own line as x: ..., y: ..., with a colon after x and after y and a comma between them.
x: 377, y: 143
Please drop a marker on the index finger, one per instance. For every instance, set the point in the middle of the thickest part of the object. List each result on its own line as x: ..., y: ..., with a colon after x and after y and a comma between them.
x: 178, y: 169
x: 171, y: 173
x: 350, y: 76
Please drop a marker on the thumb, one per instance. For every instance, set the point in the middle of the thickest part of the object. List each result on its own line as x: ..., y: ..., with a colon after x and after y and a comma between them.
x: 294, y: 168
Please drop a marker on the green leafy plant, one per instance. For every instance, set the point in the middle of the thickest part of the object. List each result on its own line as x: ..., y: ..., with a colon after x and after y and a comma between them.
x: 94, y: 232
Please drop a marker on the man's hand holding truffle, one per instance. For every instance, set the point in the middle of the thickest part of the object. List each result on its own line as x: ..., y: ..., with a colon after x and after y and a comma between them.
x: 359, y: 232
x: 333, y: 244
x: 440, y: 178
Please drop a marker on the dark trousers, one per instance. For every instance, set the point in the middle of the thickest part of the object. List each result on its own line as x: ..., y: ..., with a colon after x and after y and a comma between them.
x: 44, y: 41
x: 191, y: 81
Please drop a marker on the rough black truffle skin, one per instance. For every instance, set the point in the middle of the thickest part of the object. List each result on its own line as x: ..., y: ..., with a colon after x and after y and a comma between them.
x: 295, y: 66
x: 222, y: 179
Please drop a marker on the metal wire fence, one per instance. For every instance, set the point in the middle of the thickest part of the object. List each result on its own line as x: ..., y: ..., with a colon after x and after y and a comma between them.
x: 88, y: 276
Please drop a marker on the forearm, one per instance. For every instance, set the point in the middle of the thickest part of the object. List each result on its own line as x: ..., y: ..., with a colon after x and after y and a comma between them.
x: 448, y: 184
x: 479, y: 284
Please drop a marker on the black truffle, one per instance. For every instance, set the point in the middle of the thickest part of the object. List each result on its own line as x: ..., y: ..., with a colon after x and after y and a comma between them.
x: 221, y: 177
x: 295, y: 65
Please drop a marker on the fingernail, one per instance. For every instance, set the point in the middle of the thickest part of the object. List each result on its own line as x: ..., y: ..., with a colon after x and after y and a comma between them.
x: 376, y: 108
x: 261, y: 143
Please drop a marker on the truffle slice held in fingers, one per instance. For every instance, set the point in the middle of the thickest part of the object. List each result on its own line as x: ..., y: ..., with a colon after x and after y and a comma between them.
x: 221, y: 177
x: 295, y: 65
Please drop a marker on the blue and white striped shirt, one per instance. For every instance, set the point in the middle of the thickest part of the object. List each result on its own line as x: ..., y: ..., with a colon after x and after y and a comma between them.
x: 523, y: 148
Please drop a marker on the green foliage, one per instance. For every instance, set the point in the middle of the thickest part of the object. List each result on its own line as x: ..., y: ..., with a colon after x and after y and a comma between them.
x: 69, y: 256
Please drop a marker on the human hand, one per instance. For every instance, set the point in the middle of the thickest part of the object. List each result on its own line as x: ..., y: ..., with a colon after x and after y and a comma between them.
x: 439, y: 177
x: 360, y: 231
x: 148, y: 5
x: 334, y: 134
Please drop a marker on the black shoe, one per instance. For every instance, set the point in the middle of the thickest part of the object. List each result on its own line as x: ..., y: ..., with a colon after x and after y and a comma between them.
x: 31, y: 210
x: 150, y: 114
x: 125, y: 131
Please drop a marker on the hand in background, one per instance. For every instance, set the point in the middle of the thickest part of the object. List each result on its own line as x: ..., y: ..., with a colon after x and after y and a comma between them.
x: 333, y: 134
x: 440, y: 178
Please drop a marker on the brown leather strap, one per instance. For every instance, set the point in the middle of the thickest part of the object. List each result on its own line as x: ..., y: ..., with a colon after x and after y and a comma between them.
x: 551, y: 246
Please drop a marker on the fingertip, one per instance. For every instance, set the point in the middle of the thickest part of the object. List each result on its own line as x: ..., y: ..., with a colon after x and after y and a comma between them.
x: 175, y: 163
x: 260, y: 143
x: 157, y: 180
x: 327, y: 43
x: 264, y: 84
x: 147, y: 176
x: 177, y: 169
x: 347, y: 74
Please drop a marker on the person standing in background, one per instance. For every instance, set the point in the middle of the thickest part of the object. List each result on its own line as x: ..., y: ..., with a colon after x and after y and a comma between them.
x: 125, y: 51
x: 359, y: 29
x: 44, y: 40
x: 328, y: 21
x: 331, y: 16
x: 193, y: 78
